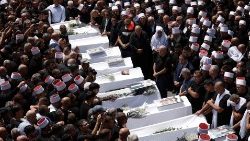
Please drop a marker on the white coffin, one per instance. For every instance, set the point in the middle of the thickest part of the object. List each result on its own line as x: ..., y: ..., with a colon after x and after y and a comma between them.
x: 119, y: 81
x: 108, y: 53
x: 131, y: 101
x: 84, y: 32
x: 188, y: 125
x: 90, y: 43
x: 165, y: 113
x: 105, y: 68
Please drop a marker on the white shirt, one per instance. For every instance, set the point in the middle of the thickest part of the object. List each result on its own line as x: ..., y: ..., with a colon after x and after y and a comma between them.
x: 57, y: 13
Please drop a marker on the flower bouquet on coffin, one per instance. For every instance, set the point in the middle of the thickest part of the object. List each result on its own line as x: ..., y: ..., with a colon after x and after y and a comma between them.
x: 137, y: 113
x: 95, y: 51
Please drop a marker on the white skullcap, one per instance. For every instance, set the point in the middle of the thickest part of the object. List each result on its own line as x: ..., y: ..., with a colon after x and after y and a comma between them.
x: 208, y: 38
x: 195, y: 46
x: 247, y: 7
x: 195, y: 30
x: 126, y: 3
x: 193, y: 39
x: 114, y: 8
x: 157, y: 7
x: 160, y: 11
x: 136, y: 5
x: 226, y: 43
x: 220, y: 19
x: 141, y: 15
x: 193, y: 3
x: 149, y: 9
x: 229, y: 74
x: 175, y: 30
x: 224, y: 29
x: 207, y: 23
x: 190, y: 10
x: 241, y: 9
x: 172, y: 2
x: 203, y: 13
x: 241, y: 81
x: 118, y: 3
x: 232, y: 13
x: 205, y: 46
x: 242, y: 22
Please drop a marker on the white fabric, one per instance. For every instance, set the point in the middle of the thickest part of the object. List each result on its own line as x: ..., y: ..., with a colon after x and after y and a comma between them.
x: 160, y: 114
x: 90, y: 43
x: 156, y: 42
x: 84, y: 32
x: 235, y: 54
x: 188, y: 124
x: 243, y: 129
x: 135, y: 74
x: 237, y: 107
x: 108, y: 53
x: 57, y: 13
x: 215, y: 113
x: 104, y: 68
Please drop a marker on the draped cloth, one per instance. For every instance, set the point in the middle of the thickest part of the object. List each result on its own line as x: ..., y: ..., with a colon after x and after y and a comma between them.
x: 217, y: 102
x: 157, y: 41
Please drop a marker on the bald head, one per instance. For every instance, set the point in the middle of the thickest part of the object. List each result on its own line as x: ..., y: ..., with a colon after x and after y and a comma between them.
x: 219, y: 87
x: 3, y: 71
x: 66, y: 102
x: 123, y: 133
x: 31, y: 116
x: 3, y: 132
x: 22, y: 138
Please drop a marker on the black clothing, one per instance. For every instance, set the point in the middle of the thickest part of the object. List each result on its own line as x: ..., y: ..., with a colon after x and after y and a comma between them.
x: 196, y: 102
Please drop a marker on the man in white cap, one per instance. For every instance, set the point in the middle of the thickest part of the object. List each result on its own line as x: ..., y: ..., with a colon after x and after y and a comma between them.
x: 228, y: 78
x: 55, y: 102
x: 241, y: 88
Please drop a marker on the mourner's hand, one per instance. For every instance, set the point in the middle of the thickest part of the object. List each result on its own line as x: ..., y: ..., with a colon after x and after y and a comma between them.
x: 104, y: 33
x: 183, y: 93
x: 176, y: 83
x: 198, y: 113
x: 210, y: 102
x: 155, y: 75
x: 139, y: 51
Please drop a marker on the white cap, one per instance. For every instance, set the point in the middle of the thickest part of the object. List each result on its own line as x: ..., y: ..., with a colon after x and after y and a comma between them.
x: 49, y: 79
x: 203, y: 53
x: 242, y: 22
x: 42, y: 122
x: 195, y: 46
x: 59, y: 55
x: 136, y: 5
x: 208, y: 38
x: 70, y: 2
x: 5, y: 85
x: 23, y: 88
x: 172, y: 2
x: 118, y: 3
x: 226, y: 43
x: 205, y: 67
x: 35, y: 50
x: 204, y: 137
x: 141, y: 15
x: 15, y: 76
x: 220, y: 19
x: 224, y: 29
x: 196, y: 30
x: 149, y: 9
x: 201, y: 2
x: 193, y: 3
x: 66, y: 77
x: 231, y: 137
x: 241, y: 9
x: 175, y: 8
x: 114, y: 8
x: 157, y: 7
x: 241, y: 81
x: 229, y: 74
x: 211, y: 31
x: 203, y: 13
x: 126, y: 3
x: 38, y: 90
x: 247, y: 7
x: 218, y: 55
x: 54, y: 98
x: 175, y: 30
x: 123, y: 13
x: 86, y: 85
x: 60, y: 86
x: 230, y: 32
x: 190, y: 10
x: 193, y: 39
x: 160, y: 11
x: 232, y: 13
x: 207, y: 23
x: 73, y: 88
x: 78, y: 79
x: 205, y: 46
x: 110, y: 4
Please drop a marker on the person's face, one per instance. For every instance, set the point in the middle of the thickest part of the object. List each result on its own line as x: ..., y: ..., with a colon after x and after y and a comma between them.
x: 138, y: 31
x: 209, y: 87
x: 181, y: 60
x: 240, y: 89
x: 113, y: 21
x: 84, y: 126
x: 162, y: 52
x: 197, y: 78
x: 56, y: 2
x: 159, y: 34
x: 143, y: 20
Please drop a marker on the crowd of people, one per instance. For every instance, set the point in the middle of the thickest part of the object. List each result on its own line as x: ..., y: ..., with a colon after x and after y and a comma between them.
x: 193, y: 48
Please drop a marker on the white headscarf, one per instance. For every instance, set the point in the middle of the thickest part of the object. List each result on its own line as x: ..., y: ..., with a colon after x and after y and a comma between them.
x: 156, y: 42
x: 243, y: 123
x: 217, y: 102
x: 237, y: 107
